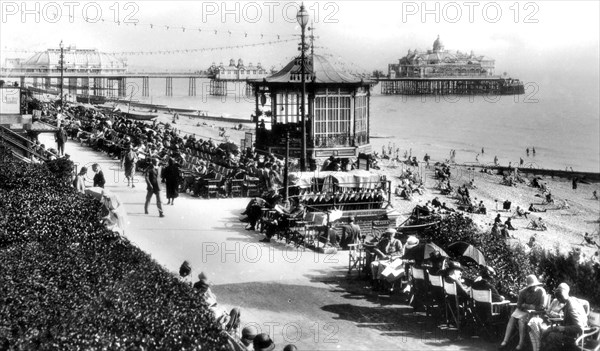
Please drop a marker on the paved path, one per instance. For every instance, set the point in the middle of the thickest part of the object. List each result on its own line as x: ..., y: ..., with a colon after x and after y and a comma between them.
x: 296, y: 296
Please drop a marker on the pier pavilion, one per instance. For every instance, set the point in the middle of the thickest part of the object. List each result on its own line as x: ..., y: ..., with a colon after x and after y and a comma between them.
x: 88, y: 72
x: 234, y: 74
x: 337, y: 111
x: 441, y: 71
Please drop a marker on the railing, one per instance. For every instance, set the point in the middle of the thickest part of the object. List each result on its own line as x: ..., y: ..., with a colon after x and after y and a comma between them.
x: 16, y: 141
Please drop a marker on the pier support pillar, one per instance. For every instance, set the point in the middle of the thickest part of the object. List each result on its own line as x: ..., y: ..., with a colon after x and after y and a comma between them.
x: 169, y: 86
x: 22, y: 81
x: 72, y: 86
x: 145, y: 86
x: 48, y: 83
x: 122, y: 89
x: 192, y: 86
x: 96, y: 86
x: 85, y: 86
x: 218, y: 87
x: 249, y: 90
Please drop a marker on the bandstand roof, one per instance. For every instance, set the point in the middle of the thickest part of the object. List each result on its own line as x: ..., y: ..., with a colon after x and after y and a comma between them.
x: 320, y: 68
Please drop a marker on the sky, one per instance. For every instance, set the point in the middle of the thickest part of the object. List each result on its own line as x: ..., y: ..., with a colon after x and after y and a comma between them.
x: 524, y: 37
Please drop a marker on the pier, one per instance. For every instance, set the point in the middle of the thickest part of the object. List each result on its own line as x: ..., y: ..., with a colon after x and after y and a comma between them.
x: 108, y: 85
x: 451, y: 86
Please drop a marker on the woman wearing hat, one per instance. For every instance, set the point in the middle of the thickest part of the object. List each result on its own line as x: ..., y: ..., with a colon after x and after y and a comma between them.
x: 384, y: 253
x: 532, y: 297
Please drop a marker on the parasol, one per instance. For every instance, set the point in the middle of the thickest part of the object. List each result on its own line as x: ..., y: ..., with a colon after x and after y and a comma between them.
x: 463, y: 249
x: 422, y: 251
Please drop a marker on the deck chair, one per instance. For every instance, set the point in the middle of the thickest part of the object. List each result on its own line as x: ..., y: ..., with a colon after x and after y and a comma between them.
x: 436, y: 292
x: 237, y: 187
x: 296, y: 231
x: 590, y: 339
x: 251, y: 186
x: 452, y: 306
x: 420, y: 294
x: 212, y: 188
x: 489, y: 316
x: 356, y: 258
x: 535, y: 225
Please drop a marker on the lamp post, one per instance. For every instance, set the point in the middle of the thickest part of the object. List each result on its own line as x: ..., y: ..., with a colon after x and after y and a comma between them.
x: 286, y: 170
x: 62, y: 60
x: 302, y: 18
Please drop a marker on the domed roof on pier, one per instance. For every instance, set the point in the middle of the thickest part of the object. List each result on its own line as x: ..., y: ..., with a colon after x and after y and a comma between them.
x: 319, y: 69
x: 438, y: 45
x: 75, y: 58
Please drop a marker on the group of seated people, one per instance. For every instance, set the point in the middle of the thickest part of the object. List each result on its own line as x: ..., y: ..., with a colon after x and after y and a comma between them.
x: 502, y: 229
x: 385, y: 260
x: 474, y: 207
x: 444, y: 187
x: 409, y: 184
x: 550, y: 325
x: 442, y: 172
x: 534, y: 317
x: 463, y: 195
x: 274, y: 216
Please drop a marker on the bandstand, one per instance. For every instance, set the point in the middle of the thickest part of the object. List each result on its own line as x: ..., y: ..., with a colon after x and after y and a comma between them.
x: 337, y: 111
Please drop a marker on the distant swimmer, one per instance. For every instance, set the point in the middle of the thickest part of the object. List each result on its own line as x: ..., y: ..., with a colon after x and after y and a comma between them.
x: 527, y: 152
x: 533, y: 150
x: 477, y: 157
x: 482, y: 151
x: 521, y: 161
x: 496, y: 160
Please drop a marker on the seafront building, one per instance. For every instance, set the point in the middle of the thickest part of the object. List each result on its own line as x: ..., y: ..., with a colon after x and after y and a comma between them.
x: 439, y: 62
x: 86, y: 71
x: 237, y: 71
x: 234, y: 74
x: 441, y: 71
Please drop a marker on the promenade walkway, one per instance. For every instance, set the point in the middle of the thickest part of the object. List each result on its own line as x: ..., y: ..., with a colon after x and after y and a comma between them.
x: 296, y: 296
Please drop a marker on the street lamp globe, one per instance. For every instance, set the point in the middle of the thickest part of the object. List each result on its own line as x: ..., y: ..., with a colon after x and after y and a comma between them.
x: 302, y: 16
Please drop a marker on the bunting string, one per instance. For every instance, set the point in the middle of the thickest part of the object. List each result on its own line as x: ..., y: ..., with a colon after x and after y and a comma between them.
x: 179, y: 51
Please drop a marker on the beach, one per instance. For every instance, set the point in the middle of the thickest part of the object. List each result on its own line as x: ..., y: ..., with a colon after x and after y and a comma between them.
x: 566, y: 226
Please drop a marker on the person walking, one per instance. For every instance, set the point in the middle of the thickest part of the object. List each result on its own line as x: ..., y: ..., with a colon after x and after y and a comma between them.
x: 152, y: 187
x: 171, y: 176
x: 61, y: 139
x: 129, y: 161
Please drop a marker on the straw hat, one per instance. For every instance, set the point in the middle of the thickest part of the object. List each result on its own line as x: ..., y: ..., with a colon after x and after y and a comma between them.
x: 532, y: 280
x: 389, y: 232
x: 562, y: 287
x: 411, y: 242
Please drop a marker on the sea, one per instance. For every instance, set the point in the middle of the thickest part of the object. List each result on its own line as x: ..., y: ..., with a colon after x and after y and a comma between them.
x: 561, y: 122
